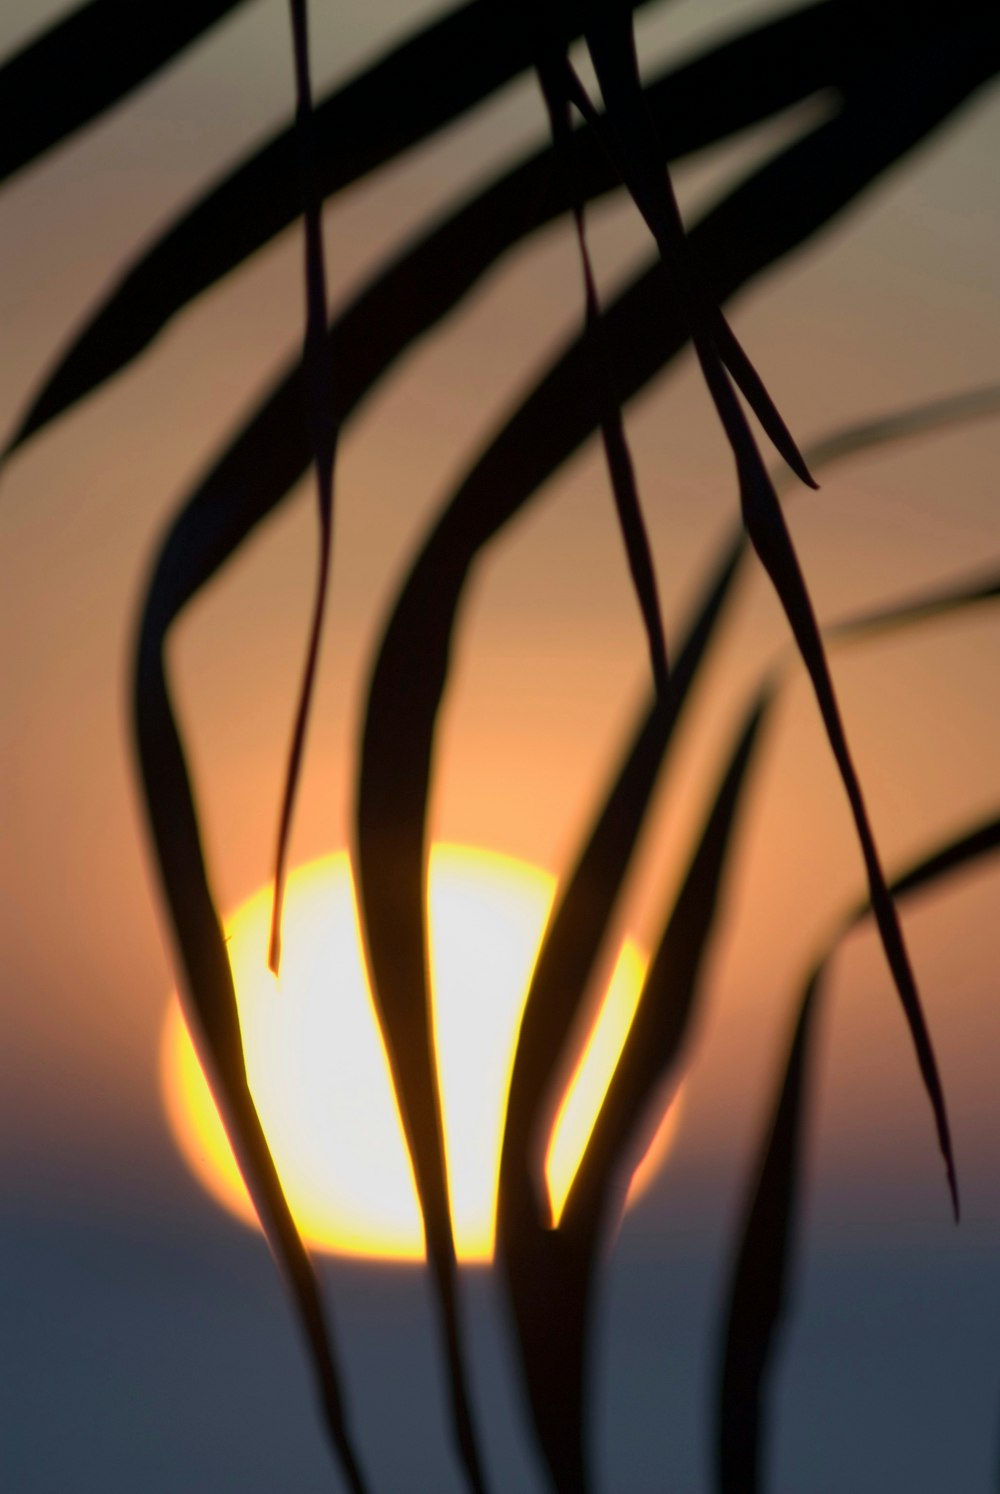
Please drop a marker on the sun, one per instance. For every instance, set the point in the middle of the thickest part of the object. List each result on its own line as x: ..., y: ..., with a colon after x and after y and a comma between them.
x: 319, y: 1073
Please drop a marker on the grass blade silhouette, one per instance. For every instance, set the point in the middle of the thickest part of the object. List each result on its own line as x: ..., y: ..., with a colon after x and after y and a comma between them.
x: 410, y: 674
x: 545, y: 1278
x: 733, y: 85
x: 550, y: 1273
x: 413, y: 660
x: 86, y: 63
x: 618, y: 459
x: 207, y: 984
x: 980, y: 403
x: 611, y: 44
x: 734, y: 242
x: 255, y: 474
x: 927, y: 607
x: 758, y: 1294
x: 580, y: 920
x: 404, y: 97
x: 318, y: 374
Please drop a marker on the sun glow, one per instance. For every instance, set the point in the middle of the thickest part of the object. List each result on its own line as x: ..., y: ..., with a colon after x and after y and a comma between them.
x: 319, y: 1073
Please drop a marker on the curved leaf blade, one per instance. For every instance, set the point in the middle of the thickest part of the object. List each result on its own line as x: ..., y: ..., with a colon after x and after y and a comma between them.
x: 927, y: 607
x: 552, y: 73
x: 52, y: 92
x: 208, y: 983
x: 537, y: 1267
x: 728, y: 88
x: 551, y: 1275
x: 772, y: 542
x: 407, y: 95
x: 758, y: 1297
x: 541, y: 1277
x: 318, y: 374
x: 410, y: 675
x: 258, y: 470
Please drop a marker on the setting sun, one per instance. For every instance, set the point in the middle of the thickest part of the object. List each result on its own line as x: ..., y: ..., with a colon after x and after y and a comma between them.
x: 320, y: 1077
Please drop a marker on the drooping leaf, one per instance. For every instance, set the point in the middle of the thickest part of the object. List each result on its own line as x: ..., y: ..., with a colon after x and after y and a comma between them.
x: 769, y: 535
x: 410, y: 674
x: 404, y: 97
x: 318, y: 375
x: 590, y: 892
x: 667, y: 1003
x: 207, y: 983
x: 736, y: 240
x: 632, y: 141
x: 533, y: 1260
x: 928, y: 606
x: 923, y: 419
x: 758, y: 1296
x: 759, y: 1293
x: 731, y: 86
x: 552, y: 73
x: 86, y: 63
x: 762, y: 219
x: 550, y: 1273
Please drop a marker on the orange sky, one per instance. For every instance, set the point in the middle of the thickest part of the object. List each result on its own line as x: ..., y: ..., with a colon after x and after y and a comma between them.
x: 899, y: 304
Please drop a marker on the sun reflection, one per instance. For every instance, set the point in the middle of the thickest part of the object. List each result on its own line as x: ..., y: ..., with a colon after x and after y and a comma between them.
x: 319, y: 1073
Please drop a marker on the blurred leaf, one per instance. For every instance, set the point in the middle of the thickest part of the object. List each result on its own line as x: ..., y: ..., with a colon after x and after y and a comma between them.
x: 915, y: 420
x: 318, y: 374
x: 737, y: 239
x: 207, y: 984
x: 759, y: 1291
x: 552, y: 73
x: 410, y: 674
x: 611, y: 44
x: 404, y: 97
x: 769, y: 535
x: 631, y: 137
x: 87, y: 62
x: 573, y: 939
x: 728, y: 88
x: 733, y: 243
x: 924, y: 608
x: 550, y: 1272
x: 577, y: 930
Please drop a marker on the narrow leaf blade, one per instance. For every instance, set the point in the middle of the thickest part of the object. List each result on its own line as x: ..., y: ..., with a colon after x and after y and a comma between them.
x: 201, y: 948
x: 758, y: 1295
x: 550, y: 1275
x: 731, y: 86
x: 87, y: 63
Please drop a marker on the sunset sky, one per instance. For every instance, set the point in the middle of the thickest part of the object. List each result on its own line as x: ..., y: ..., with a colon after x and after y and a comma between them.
x: 898, y: 304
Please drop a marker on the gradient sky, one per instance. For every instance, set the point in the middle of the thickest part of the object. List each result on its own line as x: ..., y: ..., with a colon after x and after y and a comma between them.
x: 900, y: 303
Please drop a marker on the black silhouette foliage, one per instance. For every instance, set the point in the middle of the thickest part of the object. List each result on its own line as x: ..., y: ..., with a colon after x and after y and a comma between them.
x: 883, y: 78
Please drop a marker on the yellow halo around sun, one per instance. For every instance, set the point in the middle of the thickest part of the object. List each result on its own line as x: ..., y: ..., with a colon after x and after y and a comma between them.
x: 320, y: 1077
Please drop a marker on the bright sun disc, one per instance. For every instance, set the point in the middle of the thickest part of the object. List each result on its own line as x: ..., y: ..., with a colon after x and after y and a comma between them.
x: 320, y: 1077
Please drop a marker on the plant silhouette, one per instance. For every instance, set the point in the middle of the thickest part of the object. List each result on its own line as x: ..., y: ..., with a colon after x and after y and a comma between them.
x: 884, y: 77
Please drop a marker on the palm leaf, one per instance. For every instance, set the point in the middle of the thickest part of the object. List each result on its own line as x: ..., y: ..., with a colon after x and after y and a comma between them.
x: 407, y: 95
x: 758, y: 1294
x: 51, y: 92
x: 610, y: 40
x: 318, y: 371
x: 576, y: 933
x: 550, y: 1272
x: 926, y: 607
x: 550, y: 1280
x: 552, y: 74
x: 410, y: 674
x: 210, y: 998
x: 726, y: 89
x: 257, y: 472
